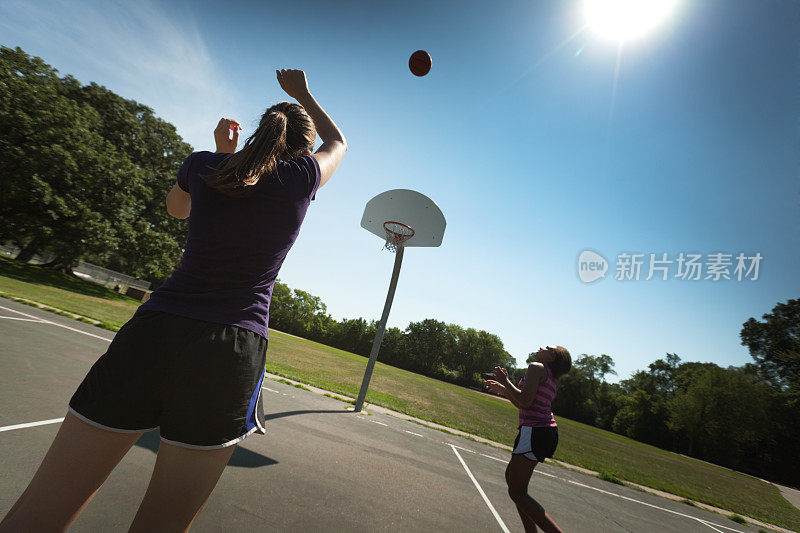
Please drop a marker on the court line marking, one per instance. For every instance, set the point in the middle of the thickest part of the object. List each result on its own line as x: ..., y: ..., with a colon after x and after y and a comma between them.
x: 701, y: 520
x: 483, y: 494
x: 32, y: 424
x: 56, y: 324
x: 23, y: 319
x: 709, y: 524
x: 460, y: 448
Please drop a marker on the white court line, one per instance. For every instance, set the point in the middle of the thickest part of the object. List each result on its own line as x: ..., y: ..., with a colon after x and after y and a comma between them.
x: 417, y: 434
x: 32, y: 424
x: 483, y: 494
x: 459, y: 447
x: 55, y: 324
x: 23, y: 319
x: 709, y: 524
x: 702, y: 521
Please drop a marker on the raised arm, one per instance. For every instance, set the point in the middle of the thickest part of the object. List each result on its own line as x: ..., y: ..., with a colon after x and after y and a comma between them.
x: 334, y: 145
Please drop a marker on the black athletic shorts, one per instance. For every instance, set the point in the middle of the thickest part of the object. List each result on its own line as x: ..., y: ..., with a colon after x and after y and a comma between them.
x: 199, y: 382
x: 536, y: 444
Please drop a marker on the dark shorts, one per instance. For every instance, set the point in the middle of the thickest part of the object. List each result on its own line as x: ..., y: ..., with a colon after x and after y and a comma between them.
x: 199, y: 382
x: 536, y: 444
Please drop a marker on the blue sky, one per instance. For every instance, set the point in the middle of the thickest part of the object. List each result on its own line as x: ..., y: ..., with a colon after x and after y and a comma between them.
x: 685, y: 140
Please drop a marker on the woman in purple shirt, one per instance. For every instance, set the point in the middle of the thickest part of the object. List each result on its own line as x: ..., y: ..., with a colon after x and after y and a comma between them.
x: 191, y: 360
x: 538, y: 432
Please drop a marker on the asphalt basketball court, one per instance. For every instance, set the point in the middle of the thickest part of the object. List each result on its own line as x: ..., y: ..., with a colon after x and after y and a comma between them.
x: 319, y: 468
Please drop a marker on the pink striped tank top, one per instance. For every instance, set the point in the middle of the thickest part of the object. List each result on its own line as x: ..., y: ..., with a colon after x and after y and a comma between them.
x: 539, y: 414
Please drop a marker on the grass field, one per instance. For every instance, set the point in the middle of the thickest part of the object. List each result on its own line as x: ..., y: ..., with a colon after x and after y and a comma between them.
x: 444, y: 403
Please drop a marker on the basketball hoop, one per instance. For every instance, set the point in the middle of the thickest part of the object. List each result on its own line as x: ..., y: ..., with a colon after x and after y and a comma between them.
x: 380, y: 217
x: 397, y: 234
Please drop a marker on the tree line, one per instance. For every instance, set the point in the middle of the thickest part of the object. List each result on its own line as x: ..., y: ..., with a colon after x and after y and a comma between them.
x: 431, y: 347
x: 746, y: 418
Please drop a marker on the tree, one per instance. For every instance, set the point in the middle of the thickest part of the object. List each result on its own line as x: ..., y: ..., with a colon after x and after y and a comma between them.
x: 583, y: 393
x: 774, y: 344
x: 428, y: 344
x: 723, y: 416
x: 354, y: 337
x: 153, y: 146
x: 85, y: 172
x: 642, y: 403
x: 280, y: 306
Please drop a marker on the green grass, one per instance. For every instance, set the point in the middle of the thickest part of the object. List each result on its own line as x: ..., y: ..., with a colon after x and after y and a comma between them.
x: 617, y: 457
x: 738, y: 519
x: 351, y: 402
x: 611, y: 478
x: 67, y: 293
x: 296, y: 385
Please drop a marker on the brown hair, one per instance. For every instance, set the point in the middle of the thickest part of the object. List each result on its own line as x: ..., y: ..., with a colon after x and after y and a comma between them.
x: 285, y: 132
x: 562, y: 361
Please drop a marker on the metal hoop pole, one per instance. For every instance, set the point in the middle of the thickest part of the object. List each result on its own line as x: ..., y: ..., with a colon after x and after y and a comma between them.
x: 376, y: 344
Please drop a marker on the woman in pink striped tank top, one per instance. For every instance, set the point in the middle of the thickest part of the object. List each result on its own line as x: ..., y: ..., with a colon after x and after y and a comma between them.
x: 538, y: 432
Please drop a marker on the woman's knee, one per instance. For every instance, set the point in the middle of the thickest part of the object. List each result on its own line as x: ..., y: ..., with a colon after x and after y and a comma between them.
x: 517, y: 493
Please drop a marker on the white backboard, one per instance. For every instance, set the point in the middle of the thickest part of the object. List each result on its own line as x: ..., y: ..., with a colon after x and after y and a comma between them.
x: 408, y: 207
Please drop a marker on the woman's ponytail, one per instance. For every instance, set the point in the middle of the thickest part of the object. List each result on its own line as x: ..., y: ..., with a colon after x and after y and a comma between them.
x: 285, y: 132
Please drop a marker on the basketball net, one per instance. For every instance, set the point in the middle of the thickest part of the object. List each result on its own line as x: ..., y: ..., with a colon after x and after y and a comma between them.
x: 397, y: 234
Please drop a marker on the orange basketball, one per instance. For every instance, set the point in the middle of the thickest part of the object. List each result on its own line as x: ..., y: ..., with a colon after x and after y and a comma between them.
x: 420, y: 63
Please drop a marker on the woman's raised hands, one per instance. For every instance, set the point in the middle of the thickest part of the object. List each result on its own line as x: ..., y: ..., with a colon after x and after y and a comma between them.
x: 222, y: 135
x: 293, y: 82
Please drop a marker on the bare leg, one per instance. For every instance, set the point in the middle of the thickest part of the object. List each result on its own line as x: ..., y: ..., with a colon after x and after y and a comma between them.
x: 77, y: 464
x: 527, y: 521
x: 183, y: 480
x: 518, y: 475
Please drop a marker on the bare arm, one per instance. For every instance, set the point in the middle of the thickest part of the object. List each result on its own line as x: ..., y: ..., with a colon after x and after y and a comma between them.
x: 524, y: 398
x: 179, y: 202
x: 334, y: 145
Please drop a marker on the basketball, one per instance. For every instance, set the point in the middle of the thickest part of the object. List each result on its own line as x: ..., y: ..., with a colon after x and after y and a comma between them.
x: 420, y: 63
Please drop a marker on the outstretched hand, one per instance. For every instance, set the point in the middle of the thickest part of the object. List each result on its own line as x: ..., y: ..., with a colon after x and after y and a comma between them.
x: 222, y: 135
x: 499, y: 373
x: 494, y: 386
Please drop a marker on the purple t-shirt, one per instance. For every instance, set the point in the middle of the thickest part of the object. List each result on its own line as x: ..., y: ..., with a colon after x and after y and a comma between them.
x: 236, y: 246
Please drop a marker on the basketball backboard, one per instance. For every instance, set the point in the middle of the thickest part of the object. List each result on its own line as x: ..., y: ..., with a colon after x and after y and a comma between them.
x: 409, y: 208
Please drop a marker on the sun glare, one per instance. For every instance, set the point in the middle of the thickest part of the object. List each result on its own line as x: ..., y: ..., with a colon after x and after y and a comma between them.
x: 623, y: 20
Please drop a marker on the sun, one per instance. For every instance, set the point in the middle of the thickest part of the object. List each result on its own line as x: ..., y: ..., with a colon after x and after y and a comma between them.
x: 623, y: 20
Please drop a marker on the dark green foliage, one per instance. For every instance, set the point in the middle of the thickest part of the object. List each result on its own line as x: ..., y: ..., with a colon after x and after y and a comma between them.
x: 430, y: 347
x: 745, y: 418
x: 85, y: 172
x: 774, y: 344
x: 584, y: 395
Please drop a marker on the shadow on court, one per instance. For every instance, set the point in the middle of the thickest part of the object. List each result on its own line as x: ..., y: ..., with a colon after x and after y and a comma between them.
x: 241, y: 456
x: 271, y: 416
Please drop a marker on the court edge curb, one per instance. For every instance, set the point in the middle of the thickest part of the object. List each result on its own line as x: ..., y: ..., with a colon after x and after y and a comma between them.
x: 445, y: 429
